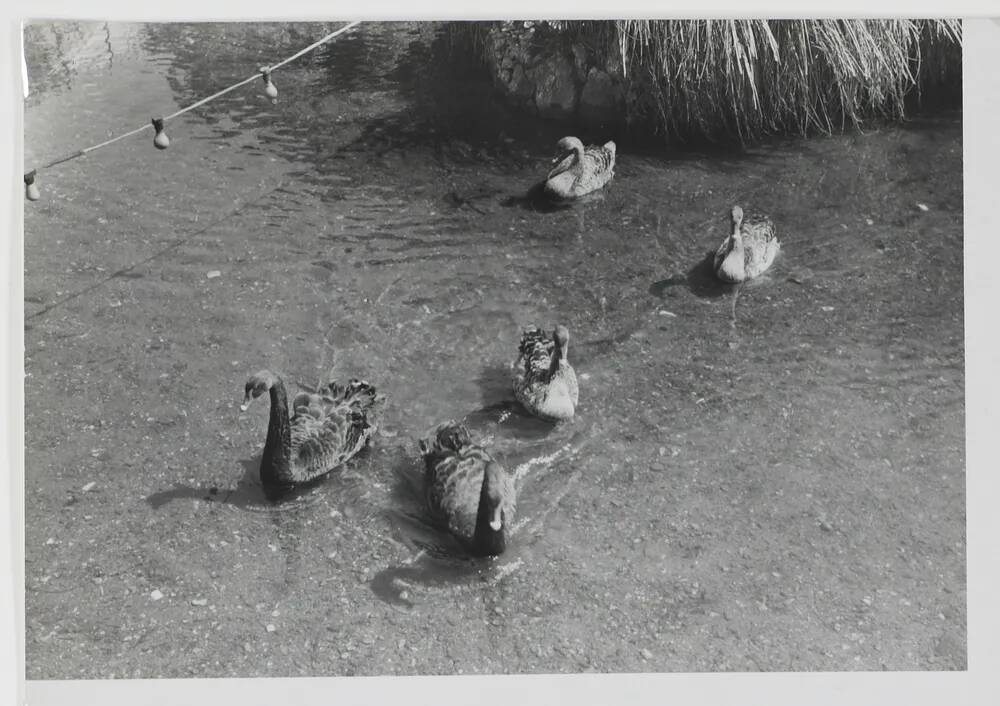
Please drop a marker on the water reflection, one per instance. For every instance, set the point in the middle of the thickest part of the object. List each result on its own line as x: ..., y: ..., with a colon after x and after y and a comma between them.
x: 438, y: 565
x: 56, y: 52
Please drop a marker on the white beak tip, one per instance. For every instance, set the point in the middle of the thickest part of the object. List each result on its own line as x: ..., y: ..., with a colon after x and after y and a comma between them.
x: 495, y: 525
x: 243, y: 407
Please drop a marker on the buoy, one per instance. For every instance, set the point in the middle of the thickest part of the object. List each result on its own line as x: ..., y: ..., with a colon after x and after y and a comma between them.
x: 30, y: 189
x: 270, y: 90
x: 161, y: 141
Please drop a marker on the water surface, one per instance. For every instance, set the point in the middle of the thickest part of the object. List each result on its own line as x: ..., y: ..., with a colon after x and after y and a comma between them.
x: 768, y: 478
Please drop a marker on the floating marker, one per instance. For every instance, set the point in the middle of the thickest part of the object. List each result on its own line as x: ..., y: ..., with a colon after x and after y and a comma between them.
x: 161, y: 141
x: 270, y: 90
x: 30, y: 189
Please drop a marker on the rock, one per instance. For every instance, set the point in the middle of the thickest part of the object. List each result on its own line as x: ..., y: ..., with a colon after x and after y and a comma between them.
x: 199, y: 601
x: 646, y: 654
x: 580, y: 61
x: 519, y: 86
x: 555, y: 87
x: 602, y: 99
x: 156, y: 594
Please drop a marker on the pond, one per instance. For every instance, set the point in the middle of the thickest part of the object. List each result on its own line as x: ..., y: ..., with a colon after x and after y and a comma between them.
x: 763, y: 478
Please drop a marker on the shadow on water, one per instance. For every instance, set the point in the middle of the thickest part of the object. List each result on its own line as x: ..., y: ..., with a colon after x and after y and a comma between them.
x: 392, y: 585
x: 439, y: 563
x: 501, y: 417
x: 495, y: 385
x: 536, y: 200
x: 700, y: 281
x: 248, y: 493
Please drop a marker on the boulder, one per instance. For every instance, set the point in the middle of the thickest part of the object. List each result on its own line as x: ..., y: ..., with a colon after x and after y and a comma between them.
x: 555, y: 87
x: 602, y: 98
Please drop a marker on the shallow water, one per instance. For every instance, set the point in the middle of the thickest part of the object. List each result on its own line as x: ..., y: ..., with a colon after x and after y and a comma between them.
x: 763, y: 478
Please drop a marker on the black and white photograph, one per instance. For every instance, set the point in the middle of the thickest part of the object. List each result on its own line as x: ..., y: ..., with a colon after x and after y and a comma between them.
x: 520, y: 346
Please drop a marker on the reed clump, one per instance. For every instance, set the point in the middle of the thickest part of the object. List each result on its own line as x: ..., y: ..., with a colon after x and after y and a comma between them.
x: 744, y: 79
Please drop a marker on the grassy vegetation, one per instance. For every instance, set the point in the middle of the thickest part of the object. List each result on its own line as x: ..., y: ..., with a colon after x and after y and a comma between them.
x: 743, y: 79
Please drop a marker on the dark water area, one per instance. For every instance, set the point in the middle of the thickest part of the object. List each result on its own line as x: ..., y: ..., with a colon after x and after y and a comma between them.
x: 769, y: 477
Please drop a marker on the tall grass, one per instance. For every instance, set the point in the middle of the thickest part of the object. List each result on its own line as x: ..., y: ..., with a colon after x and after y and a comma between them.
x: 744, y: 79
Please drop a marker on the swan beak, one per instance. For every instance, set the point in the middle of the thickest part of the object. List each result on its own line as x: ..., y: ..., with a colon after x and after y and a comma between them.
x: 497, y: 522
x: 560, y: 164
x: 246, y: 403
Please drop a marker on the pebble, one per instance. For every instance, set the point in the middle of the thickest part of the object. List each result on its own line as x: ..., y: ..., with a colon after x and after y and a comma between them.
x: 213, y: 274
x: 90, y: 486
x: 923, y: 207
x: 156, y: 594
x: 199, y: 601
x: 646, y: 654
x: 270, y: 627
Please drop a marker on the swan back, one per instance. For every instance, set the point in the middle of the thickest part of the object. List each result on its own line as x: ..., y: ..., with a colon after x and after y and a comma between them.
x: 584, y: 170
x: 467, y: 491
x: 324, y: 430
x: 750, y: 248
x: 543, y: 379
x: 336, y: 424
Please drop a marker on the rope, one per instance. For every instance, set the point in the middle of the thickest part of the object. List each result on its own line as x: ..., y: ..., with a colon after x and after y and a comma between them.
x: 203, y: 101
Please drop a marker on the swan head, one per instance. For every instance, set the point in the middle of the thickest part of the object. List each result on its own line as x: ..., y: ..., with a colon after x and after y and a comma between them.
x: 257, y: 385
x: 447, y: 436
x: 736, y: 217
x: 569, y: 144
x: 561, y: 336
x: 568, y: 150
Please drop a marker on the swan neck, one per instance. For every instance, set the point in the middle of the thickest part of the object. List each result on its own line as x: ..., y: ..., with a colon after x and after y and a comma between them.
x: 486, y: 540
x: 558, y: 358
x: 277, y: 449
